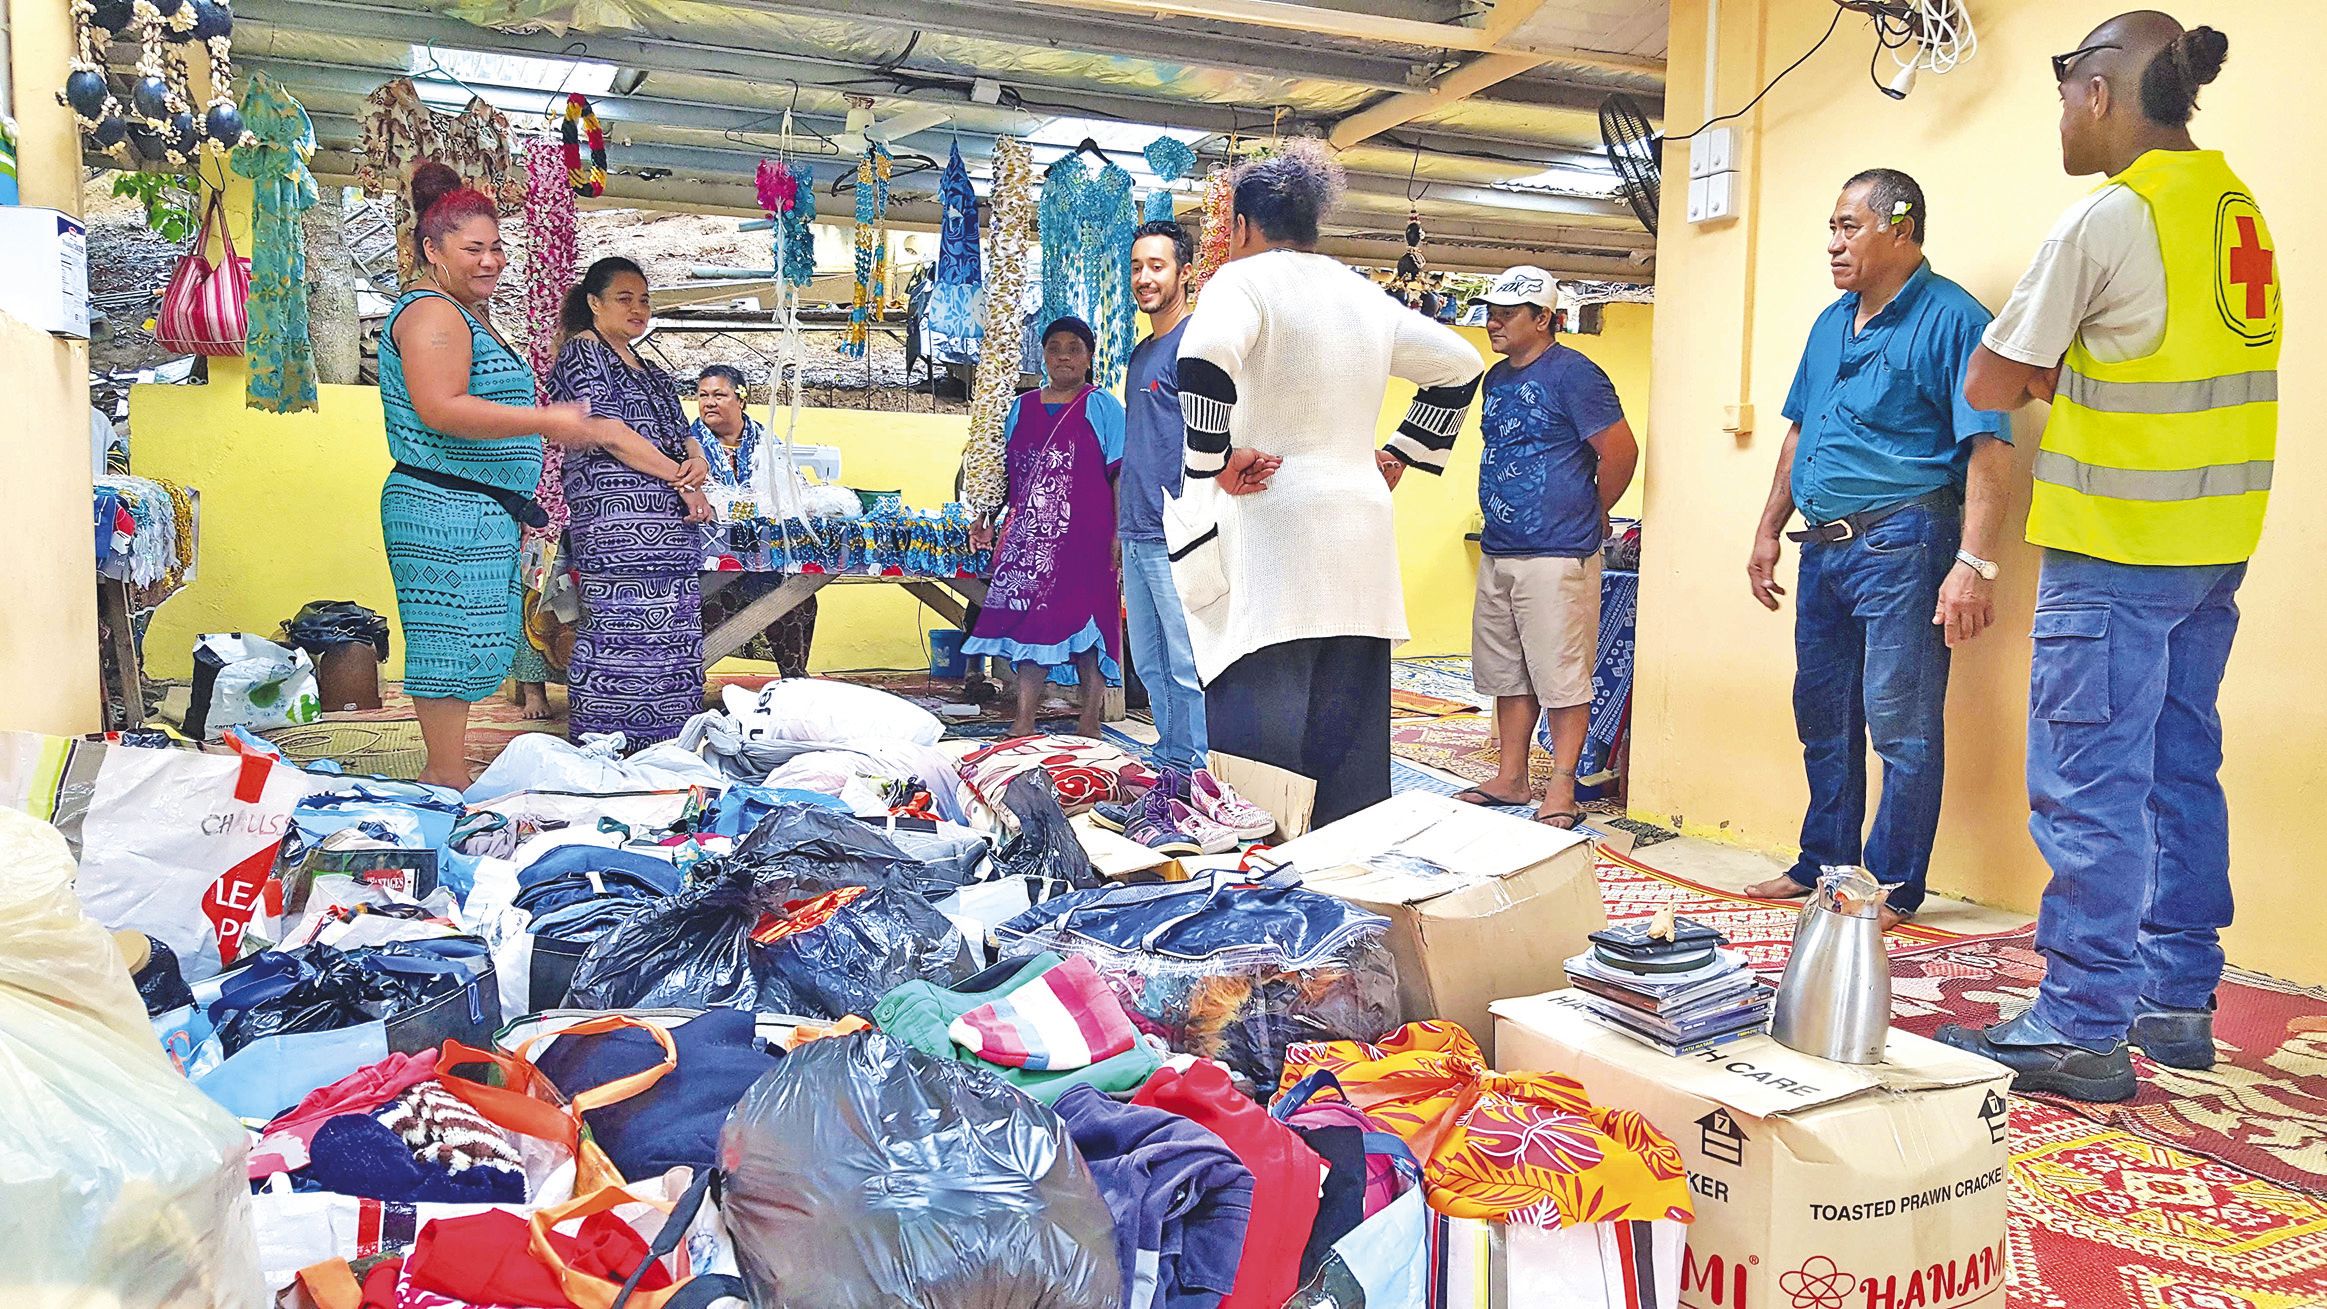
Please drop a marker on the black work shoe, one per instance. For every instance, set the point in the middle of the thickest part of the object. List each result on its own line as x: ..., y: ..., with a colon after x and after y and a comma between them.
x: 2068, y: 1070
x: 2177, y: 1038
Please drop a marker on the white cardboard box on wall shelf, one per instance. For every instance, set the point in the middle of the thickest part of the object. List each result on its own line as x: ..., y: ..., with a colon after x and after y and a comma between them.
x: 44, y: 270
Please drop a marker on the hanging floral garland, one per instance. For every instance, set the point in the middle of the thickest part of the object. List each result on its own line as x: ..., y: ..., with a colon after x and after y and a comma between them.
x: 788, y: 193
x: 1219, y: 213
x: 157, y: 124
x: 1171, y: 159
x: 1014, y: 243
x: 549, y: 270
x: 872, y: 247
x: 580, y: 121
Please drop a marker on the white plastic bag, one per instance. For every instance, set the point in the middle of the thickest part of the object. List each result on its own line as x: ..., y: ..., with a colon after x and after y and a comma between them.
x: 538, y: 761
x: 811, y: 709
x: 124, y: 1185
x: 174, y: 843
x: 242, y: 680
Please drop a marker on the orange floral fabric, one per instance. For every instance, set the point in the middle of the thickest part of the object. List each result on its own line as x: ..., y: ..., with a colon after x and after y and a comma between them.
x: 1514, y: 1147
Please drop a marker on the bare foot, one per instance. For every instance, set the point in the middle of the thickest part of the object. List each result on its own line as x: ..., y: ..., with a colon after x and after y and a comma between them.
x: 533, y: 701
x: 460, y: 783
x: 1088, y: 725
x: 1777, y: 888
x: 1889, y: 917
x: 1559, y: 807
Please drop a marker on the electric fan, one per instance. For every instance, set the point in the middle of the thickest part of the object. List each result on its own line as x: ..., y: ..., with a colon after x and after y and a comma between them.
x: 1634, y: 150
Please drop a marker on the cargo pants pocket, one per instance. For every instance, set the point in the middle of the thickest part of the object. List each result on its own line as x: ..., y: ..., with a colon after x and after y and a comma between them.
x: 2069, y: 673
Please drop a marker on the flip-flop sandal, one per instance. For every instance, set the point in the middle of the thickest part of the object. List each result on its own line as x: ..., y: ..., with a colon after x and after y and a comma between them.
x: 1575, y: 819
x: 1486, y: 798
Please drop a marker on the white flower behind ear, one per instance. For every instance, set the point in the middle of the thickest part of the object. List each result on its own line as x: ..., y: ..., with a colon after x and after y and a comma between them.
x: 1900, y: 210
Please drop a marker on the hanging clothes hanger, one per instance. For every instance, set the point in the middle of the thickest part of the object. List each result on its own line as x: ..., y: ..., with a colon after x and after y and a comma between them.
x: 437, y: 71
x: 1087, y: 146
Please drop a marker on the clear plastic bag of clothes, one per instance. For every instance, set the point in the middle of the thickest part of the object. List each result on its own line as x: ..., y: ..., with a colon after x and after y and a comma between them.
x: 125, y: 1187
x: 1043, y: 848
x: 1224, y: 968
x: 863, y: 1174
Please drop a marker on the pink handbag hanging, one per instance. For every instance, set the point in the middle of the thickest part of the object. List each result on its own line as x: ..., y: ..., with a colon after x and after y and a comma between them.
x: 205, y: 309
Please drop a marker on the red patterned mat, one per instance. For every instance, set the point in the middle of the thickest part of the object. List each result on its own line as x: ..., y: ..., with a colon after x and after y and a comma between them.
x: 2103, y: 1219
x: 1461, y: 744
x: 1762, y: 930
x: 2263, y: 1108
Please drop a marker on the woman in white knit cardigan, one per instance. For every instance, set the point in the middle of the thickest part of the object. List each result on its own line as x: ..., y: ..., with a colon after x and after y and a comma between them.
x: 1284, y: 543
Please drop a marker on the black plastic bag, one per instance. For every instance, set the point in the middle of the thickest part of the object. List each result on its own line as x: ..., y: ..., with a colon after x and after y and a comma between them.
x: 813, y: 849
x: 863, y: 1174
x: 840, y: 953
x: 1044, y: 850
x: 328, y: 991
x: 321, y: 626
x: 688, y: 951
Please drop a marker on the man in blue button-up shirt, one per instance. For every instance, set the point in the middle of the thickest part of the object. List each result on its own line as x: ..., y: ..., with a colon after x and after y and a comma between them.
x: 1900, y: 485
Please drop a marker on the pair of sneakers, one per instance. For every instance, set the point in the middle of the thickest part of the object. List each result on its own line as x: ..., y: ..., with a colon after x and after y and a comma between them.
x: 1187, y: 814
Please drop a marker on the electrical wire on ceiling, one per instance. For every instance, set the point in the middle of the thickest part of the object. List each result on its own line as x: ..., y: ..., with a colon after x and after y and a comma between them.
x: 1773, y: 82
x: 1935, y: 34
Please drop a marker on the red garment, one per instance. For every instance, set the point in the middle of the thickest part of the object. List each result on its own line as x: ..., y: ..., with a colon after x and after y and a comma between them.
x: 283, y: 1145
x: 488, y: 1258
x: 1286, y: 1175
x: 380, y: 1284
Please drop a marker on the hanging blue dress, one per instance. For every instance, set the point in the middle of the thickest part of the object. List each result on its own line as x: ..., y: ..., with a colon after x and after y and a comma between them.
x: 1087, y: 220
x: 957, y: 307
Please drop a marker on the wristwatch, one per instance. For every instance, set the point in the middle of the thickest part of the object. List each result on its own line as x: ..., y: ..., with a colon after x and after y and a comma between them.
x: 1985, y: 568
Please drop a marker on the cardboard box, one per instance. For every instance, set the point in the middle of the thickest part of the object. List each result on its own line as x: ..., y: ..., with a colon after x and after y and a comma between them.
x: 1481, y: 904
x: 1117, y: 856
x: 1837, y: 1185
x: 1287, y: 796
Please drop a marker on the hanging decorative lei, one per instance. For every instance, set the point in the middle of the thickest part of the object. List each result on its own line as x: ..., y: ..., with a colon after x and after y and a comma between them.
x: 549, y: 270
x: 1171, y: 159
x: 788, y: 193
x: 1219, y: 212
x: 581, y: 120
x: 1013, y: 247
x: 872, y: 247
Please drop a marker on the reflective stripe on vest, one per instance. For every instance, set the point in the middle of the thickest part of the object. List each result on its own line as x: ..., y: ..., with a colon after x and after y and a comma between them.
x: 2169, y: 397
x: 2152, y: 484
x: 2166, y: 460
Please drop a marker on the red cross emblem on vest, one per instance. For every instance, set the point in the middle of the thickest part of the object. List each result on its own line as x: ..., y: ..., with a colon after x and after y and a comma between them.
x: 2246, y: 286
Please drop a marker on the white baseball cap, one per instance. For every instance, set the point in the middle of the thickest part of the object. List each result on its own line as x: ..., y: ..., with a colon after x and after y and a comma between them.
x: 1524, y: 285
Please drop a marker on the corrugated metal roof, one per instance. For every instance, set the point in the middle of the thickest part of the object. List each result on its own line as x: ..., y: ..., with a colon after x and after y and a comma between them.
x: 1512, y: 172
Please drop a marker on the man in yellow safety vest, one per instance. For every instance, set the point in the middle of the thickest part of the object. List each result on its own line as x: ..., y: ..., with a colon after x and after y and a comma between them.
x: 2150, y: 320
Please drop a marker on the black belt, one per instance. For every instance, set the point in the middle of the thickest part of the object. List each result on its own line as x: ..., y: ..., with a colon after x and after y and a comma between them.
x: 520, y: 507
x: 1855, y: 525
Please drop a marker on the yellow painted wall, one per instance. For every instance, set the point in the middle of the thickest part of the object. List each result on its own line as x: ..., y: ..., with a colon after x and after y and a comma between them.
x: 48, y: 593
x: 290, y: 508
x: 1714, y: 745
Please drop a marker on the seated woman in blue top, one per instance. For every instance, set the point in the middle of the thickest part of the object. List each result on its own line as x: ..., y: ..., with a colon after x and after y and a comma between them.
x: 467, y: 437
x: 1055, y: 597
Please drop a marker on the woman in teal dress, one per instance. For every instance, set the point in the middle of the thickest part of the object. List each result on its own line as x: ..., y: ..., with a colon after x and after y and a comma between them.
x: 467, y: 440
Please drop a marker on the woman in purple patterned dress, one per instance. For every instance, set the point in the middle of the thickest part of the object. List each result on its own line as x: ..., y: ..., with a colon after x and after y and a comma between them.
x: 1055, y: 599
x: 637, y: 665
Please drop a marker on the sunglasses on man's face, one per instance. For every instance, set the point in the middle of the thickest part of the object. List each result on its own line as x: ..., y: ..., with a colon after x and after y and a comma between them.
x: 2062, y: 63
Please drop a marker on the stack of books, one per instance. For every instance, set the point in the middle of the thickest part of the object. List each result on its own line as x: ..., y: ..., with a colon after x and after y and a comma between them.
x: 1670, y: 984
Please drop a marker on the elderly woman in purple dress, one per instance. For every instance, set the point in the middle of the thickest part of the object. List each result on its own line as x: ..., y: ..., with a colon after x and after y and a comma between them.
x: 1055, y: 598
x: 637, y: 666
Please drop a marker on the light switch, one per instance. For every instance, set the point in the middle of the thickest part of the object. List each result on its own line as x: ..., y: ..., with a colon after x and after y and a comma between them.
x: 1720, y: 197
x: 1712, y: 151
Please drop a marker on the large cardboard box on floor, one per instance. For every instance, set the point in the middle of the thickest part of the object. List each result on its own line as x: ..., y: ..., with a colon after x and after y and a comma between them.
x: 1481, y: 904
x: 1837, y: 1186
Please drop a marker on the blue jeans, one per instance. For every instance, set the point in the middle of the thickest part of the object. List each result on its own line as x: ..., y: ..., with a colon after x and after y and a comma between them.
x: 2124, y: 757
x: 1868, y: 662
x: 1161, y: 655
